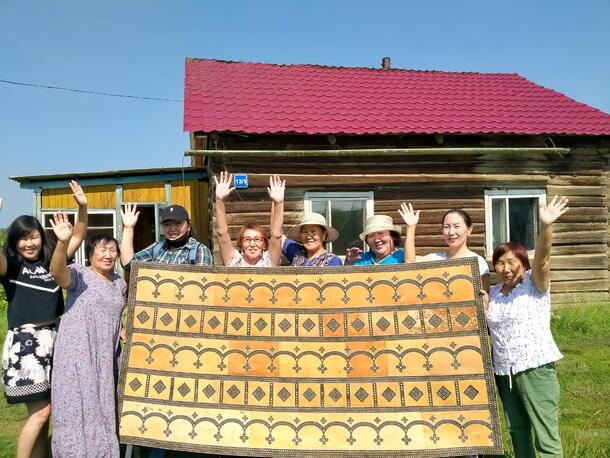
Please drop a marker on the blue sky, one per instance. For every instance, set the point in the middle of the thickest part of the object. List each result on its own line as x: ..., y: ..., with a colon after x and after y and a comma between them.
x: 138, y: 47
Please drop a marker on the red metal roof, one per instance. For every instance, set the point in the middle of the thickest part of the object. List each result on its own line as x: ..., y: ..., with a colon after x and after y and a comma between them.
x: 222, y: 96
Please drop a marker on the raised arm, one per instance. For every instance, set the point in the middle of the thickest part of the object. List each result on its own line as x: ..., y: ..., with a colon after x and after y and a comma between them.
x: 80, y: 228
x: 3, y: 263
x: 223, y: 189
x: 59, y: 262
x: 129, y: 215
x: 276, y: 193
x: 411, y: 218
x: 548, y: 214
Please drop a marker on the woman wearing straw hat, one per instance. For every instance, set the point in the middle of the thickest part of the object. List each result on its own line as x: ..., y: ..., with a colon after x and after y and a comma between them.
x: 383, y: 239
x: 305, y: 243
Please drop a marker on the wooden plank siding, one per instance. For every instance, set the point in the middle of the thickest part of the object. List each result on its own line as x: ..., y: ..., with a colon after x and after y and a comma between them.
x: 151, y: 192
x: 435, y: 184
x: 193, y: 195
x: 98, y: 197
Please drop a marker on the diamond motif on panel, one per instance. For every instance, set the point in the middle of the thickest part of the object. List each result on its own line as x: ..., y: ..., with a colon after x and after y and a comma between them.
x: 184, y: 389
x: 416, y: 393
x: 209, y: 391
x: 409, y: 322
x: 383, y: 324
x: 333, y: 325
x: 135, y: 384
x: 388, y: 394
x: 309, y: 324
x: 213, y: 322
x: 166, y: 319
x: 258, y: 393
x: 361, y: 394
x: 143, y: 317
x: 260, y: 324
x: 284, y: 394
x: 309, y: 394
x: 357, y: 324
x: 237, y: 324
x: 285, y: 325
x: 233, y: 391
x: 462, y: 318
x: 335, y: 394
x: 159, y: 387
x: 443, y: 393
x: 435, y: 320
x: 471, y: 392
x: 190, y: 321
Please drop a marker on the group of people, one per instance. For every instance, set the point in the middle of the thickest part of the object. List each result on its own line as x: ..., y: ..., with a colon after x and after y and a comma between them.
x: 78, y: 342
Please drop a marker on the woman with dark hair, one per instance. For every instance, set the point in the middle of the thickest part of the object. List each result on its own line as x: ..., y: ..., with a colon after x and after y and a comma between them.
x: 83, y: 391
x: 456, y: 227
x: 256, y: 248
x: 524, y: 352
x: 35, y: 301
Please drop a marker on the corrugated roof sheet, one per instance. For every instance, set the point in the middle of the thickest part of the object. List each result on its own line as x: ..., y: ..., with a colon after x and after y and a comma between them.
x: 222, y: 96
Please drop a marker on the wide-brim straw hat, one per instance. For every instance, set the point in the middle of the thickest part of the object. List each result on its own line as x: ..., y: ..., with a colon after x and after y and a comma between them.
x: 379, y: 223
x: 312, y: 218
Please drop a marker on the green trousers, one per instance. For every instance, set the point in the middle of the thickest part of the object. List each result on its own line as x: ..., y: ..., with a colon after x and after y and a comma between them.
x: 532, y: 403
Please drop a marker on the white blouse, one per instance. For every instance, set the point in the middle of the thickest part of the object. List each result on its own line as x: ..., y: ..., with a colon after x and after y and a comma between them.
x: 483, y: 267
x: 237, y: 260
x: 520, y: 327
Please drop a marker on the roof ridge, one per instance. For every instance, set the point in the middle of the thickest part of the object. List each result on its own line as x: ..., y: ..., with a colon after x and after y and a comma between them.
x: 344, y: 67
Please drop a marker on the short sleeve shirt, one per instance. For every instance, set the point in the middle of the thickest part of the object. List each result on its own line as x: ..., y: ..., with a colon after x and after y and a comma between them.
x: 32, y: 294
x: 297, y: 256
x: 483, y: 267
x: 237, y: 260
x: 368, y: 258
x: 520, y: 327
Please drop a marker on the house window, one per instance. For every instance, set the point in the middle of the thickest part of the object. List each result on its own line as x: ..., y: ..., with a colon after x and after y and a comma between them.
x: 512, y: 215
x: 346, y: 212
x: 100, y: 222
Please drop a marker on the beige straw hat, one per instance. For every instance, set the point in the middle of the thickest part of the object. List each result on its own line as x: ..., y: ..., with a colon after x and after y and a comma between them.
x: 312, y: 218
x: 379, y: 223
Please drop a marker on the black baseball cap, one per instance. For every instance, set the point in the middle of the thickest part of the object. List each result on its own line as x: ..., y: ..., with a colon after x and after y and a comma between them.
x: 174, y: 213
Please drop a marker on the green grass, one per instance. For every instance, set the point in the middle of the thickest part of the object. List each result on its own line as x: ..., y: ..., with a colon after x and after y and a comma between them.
x: 583, y: 335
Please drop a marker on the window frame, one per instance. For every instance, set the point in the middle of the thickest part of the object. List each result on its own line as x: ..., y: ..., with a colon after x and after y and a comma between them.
x: 79, y: 255
x: 368, y: 197
x: 507, y: 194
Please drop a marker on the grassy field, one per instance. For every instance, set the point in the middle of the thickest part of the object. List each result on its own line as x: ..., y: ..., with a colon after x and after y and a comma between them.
x: 583, y: 335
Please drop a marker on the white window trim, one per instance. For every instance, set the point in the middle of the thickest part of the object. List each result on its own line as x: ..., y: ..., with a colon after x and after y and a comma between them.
x: 490, y: 194
x: 79, y: 256
x: 368, y: 196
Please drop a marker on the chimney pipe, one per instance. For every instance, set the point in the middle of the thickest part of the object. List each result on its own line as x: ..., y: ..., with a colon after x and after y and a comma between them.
x: 385, y: 63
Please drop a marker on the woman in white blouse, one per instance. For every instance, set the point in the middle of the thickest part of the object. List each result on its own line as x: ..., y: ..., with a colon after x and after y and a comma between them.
x: 456, y: 226
x: 524, y: 352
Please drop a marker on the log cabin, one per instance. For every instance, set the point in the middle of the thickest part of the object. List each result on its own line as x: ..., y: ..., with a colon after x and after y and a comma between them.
x: 352, y: 142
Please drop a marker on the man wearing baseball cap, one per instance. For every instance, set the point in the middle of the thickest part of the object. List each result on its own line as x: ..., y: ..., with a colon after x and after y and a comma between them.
x: 178, y: 247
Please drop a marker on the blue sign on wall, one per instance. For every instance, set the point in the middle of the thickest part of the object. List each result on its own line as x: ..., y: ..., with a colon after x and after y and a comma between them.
x: 240, y: 181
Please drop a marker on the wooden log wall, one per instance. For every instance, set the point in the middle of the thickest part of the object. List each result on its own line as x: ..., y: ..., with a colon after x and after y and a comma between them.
x: 435, y: 184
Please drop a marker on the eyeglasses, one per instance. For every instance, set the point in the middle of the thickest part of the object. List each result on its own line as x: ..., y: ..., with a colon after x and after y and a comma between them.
x: 247, y: 240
